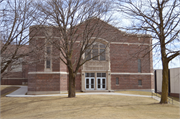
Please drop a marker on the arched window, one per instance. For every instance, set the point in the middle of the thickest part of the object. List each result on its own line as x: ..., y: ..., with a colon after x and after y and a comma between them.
x: 97, y: 51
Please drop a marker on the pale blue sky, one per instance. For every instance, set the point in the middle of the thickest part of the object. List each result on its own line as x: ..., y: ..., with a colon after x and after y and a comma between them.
x: 119, y: 20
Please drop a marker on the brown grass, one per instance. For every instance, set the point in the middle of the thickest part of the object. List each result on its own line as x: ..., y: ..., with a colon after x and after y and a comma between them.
x: 87, y: 107
x: 135, y: 92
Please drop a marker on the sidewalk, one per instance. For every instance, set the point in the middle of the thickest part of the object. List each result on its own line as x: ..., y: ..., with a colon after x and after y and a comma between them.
x: 21, y: 92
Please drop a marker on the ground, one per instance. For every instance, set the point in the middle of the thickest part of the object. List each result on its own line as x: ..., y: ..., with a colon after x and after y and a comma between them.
x: 87, y: 107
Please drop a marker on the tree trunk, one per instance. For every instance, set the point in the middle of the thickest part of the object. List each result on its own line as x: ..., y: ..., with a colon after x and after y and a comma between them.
x: 164, y: 94
x: 72, y: 87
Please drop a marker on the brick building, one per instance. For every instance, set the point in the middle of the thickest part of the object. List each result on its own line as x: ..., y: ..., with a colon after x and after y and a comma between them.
x: 126, y: 63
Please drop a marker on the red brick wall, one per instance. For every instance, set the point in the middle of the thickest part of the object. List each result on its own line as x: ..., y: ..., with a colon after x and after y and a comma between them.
x: 13, y: 81
x: 78, y: 82
x: 124, y: 58
x: 44, y: 82
x: 130, y: 82
x: 63, y: 82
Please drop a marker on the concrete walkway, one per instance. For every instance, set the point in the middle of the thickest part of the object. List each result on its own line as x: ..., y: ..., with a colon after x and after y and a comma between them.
x: 21, y: 92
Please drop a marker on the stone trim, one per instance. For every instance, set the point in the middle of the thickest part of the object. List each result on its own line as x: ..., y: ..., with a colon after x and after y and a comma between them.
x: 127, y: 73
x: 112, y: 73
x: 50, y: 73
x: 130, y: 43
x: 14, y: 78
x: 47, y: 72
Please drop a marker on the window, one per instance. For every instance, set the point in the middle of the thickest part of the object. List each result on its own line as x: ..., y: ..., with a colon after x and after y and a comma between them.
x: 139, y: 82
x: 95, y: 50
x: 117, y: 81
x: 88, y: 54
x: 89, y: 74
x: 48, y: 57
x: 102, y: 51
x: 101, y: 74
x: 139, y: 65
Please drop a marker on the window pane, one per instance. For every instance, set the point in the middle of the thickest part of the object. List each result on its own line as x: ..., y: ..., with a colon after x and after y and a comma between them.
x: 95, y: 53
x: 98, y: 74
x: 102, y: 56
x: 92, y: 83
x: 87, y: 81
x: 48, y: 50
x: 95, y: 46
x: 102, y: 46
x: 140, y: 82
x: 103, y: 74
x: 103, y: 85
x: 88, y: 54
x: 99, y: 82
x: 98, y: 86
x: 103, y: 81
x: 87, y: 74
x: 92, y: 74
x: 139, y: 65
x: 117, y: 80
x: 48, y: 63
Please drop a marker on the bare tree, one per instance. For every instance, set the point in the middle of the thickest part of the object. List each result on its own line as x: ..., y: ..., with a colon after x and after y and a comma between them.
x: 77, y: 22
x: 160, y: 18
x: 15, y: 18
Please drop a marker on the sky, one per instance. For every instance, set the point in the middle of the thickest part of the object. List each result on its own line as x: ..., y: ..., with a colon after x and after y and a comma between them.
x: 119, y: 20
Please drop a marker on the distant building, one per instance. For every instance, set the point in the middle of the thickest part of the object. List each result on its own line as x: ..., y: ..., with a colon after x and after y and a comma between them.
x: 174, y: 81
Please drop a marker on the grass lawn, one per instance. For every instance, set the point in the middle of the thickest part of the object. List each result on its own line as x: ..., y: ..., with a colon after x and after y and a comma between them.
x: 135, y: 92
x: 87, y: 107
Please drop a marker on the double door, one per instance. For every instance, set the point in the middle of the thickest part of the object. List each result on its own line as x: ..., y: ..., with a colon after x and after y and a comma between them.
x: 98, y: 83
x: 90, y: 83
x: 101, y: 83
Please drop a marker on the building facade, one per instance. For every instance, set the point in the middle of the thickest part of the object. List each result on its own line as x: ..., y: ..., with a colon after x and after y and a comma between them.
x: 125, y: 65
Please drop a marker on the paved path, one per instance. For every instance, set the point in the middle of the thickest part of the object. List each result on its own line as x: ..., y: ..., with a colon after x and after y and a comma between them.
x: 23, y: 90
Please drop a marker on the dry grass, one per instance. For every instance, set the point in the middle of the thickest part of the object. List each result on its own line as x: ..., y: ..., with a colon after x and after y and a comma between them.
x: 87, y: 107
x: 135, y: 92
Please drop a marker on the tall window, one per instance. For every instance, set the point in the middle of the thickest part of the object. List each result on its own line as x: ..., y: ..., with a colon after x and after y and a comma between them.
x: 117, y: 80
x: 139, y: 65
x: 97, y: 49
x: 48, y: 57
x: 95, y: 52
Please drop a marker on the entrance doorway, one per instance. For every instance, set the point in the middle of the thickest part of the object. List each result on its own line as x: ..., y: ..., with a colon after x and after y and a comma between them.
x: 101, y: 81
x: 90, y: 81
x: 97, y: 82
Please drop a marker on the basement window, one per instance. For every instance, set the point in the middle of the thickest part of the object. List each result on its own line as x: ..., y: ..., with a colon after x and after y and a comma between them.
x: 139, y: 82
x: 117, y: 80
